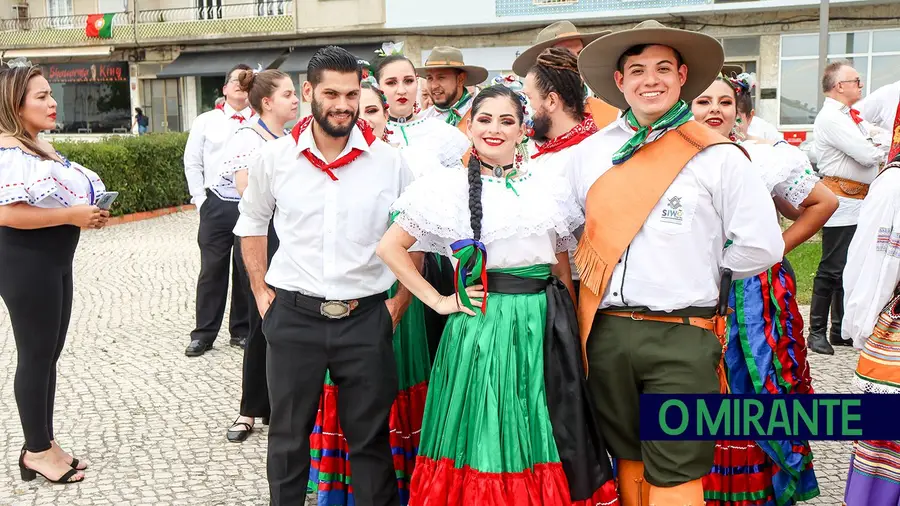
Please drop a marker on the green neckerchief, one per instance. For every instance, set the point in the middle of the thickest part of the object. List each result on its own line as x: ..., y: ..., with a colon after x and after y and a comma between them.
x: 453, y: 115
x: 508, y: 180
x: 678, y: 115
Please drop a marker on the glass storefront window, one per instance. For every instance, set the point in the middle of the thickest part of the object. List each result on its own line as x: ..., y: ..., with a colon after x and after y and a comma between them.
x: 91, y: 97
x: 208, y: 90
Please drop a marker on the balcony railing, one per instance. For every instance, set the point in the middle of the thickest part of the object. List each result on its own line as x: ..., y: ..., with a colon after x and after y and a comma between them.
x: 264, y: 17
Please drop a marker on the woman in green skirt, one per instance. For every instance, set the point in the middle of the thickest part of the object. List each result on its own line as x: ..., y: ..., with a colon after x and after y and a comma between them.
x: 507, y: 418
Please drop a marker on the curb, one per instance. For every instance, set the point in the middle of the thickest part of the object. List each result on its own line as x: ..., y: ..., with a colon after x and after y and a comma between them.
x: 146, y: 215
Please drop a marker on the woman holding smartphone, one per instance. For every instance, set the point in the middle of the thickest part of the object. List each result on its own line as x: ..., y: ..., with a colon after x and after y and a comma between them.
x: 44, y: 202
x: 274, y: 99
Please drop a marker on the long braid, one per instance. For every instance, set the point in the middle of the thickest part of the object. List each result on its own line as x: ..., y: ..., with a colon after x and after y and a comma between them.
x: 475, y: 210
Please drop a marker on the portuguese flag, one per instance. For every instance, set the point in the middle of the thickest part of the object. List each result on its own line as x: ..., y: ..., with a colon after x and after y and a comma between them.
x: 99, y: 25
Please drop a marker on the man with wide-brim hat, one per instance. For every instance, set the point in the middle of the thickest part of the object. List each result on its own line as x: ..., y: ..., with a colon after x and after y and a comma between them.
x: 563, y: 34
x: 662, y: 197
x: 448, y: 77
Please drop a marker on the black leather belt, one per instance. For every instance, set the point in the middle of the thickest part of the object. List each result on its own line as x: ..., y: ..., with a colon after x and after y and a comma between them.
x: 332, y: 309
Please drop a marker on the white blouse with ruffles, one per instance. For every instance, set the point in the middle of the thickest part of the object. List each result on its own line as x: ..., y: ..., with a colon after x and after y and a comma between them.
x: 445, y: 142
x: 524, y: 223
x: 239, y: 155
x: 784, y: 169
x: 25, y: 177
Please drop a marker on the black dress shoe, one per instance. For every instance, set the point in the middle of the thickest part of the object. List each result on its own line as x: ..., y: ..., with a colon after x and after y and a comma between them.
x: 838, y: 341
x: 197, y: 348
x: 265, y: 420
x: 239, y: 432
x: 240, y: 342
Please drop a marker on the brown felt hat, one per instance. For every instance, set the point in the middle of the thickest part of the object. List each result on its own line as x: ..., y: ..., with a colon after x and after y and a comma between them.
x: 446, y: 57
x: 560, y: 31
x: 702, y: 54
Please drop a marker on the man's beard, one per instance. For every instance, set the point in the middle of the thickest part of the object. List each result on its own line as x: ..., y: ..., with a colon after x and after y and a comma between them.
x: 327, y: 126
x: 451, y: 100
x: 541, y: 125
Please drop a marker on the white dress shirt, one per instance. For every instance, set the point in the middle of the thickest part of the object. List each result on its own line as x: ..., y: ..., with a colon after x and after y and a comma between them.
x: 880, y: 106
x: 873, y: 260
x: 674, y: 264
x: 328, y: 230
x: 432, y: 111
x: 845, y: 150
x: 206, y: 147
x: 762, y: 129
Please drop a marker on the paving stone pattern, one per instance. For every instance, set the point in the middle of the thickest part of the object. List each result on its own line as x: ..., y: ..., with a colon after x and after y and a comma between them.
x: 152, y: 421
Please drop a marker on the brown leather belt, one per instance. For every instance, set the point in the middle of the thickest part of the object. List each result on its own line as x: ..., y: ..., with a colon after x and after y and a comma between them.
x: 846, y: 187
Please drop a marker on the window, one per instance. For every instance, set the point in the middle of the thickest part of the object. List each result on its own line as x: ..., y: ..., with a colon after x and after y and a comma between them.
x: 162, y: 105
x: 60, y: 12
x: 208, y: 90
x: 874, y: 54
x: 209, y: 9
x: 271, y: 7
x: 91, y: 97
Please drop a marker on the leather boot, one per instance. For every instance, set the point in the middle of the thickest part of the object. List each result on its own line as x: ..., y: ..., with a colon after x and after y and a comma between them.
x: 686, y: 494
x: 633, y: 488
x: 837, y: 315
x: 818, y: 318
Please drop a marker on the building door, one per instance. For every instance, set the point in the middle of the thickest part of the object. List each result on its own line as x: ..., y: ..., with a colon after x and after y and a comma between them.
x: 162, y: 105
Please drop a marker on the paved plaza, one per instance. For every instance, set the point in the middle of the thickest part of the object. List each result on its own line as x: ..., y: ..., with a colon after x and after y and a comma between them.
x: 152, y: 421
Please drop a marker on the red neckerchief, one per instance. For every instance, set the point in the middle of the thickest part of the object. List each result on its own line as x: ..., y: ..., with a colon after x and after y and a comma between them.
x: 327, y: 168
x: 236, y: 116
x: 855, y: 115
x: 571, y: 138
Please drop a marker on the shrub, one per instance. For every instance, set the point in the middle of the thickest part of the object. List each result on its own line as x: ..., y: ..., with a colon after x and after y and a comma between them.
x: 146, y: 170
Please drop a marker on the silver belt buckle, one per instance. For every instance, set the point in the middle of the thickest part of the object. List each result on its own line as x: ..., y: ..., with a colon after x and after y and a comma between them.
x: 335, y: 309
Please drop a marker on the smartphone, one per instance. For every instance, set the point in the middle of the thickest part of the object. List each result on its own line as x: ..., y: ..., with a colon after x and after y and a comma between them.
x: 106, y: 199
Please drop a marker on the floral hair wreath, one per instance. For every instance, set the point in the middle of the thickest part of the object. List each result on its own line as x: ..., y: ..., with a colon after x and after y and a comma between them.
x: 390, y: 49
x: 516, y: 85
x: 17, y: 62
x: 743, y: 83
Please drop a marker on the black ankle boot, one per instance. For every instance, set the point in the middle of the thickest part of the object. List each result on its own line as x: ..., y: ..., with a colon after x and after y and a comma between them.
x: 818, y: 324
x: 837, y: 315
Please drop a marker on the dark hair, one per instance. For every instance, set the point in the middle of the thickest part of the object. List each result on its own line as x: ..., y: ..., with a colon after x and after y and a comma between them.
x: 743, y: 100
x: 366, y: 85
x: 639, y: 49
x: 334, y: 58
x: 829, y: 78
x: 474, y: 167
x: 260, y: 85
x: 556, y: 70
x: 239, y: 66
x: 139, y: 110
x: 387, y: 60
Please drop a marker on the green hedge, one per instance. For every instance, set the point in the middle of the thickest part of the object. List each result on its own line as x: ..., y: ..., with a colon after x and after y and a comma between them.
x: 146, y: 170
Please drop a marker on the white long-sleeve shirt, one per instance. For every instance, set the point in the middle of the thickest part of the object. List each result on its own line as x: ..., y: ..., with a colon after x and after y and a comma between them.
x: 762, y: 129
x: 328, y: 230
x: 880, y: 106
x: 675, y: 260
x: 205, y: 148
x: 845, y: 150
x: 873, y: 260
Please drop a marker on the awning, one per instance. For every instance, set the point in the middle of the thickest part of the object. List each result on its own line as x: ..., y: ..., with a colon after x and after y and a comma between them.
x: 58, y: 53
x: 298, y: 59
x: 217, y: 63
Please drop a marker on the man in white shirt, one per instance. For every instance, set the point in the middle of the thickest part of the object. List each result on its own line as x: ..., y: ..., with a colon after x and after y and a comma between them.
x: 329, y: 185
x: 447, y: 77
x: 848, y: 160
x: 218, y: 214
x: 650, y: 279
x: 882, y: 109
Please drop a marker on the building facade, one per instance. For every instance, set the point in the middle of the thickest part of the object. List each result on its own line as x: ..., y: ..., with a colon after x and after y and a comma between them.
x: 169, y: 57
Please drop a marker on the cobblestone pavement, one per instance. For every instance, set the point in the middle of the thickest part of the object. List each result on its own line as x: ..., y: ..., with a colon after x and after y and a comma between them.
x: 152, y: 421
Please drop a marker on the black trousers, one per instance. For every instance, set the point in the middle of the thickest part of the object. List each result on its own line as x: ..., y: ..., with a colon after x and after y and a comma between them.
x: 830, y: 274
x: 36, y: 286
x: 254, y: 388
x: 359, y: 354
x: 217, y: 256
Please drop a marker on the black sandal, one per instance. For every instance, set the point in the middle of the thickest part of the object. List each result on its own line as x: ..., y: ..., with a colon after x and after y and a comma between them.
x: 28, y: 474
x: 239, y: 435
x: 74, y: 465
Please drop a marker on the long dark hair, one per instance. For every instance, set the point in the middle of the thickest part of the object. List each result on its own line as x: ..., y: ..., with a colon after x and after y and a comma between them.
x: 474, y: 167
x: 557, y: 70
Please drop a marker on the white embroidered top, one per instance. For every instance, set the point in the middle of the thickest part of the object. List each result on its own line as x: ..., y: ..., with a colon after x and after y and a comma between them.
x: 25, y: 177
x: 873, y: 259
x: 433, y: 135
x: 524, y: 222
x: 239, y: 155
x: 784, y: 169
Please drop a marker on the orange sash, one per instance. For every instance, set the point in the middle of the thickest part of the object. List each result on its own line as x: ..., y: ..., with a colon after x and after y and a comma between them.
x: 603, y: 113
x: 618, y: 204
x: 463, y: 127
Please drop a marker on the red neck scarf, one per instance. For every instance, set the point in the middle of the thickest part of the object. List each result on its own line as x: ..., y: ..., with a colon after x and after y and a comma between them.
x: 855, y: 115
x: 571, y: 138
x: 236, y: 116
x: 328, y: 168
x: 895, y: 136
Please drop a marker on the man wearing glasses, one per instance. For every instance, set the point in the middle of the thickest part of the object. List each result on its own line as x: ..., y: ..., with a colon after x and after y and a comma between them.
x: 849, y: 159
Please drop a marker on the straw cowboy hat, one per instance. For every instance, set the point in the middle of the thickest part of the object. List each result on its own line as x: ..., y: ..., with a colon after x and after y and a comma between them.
x: 560, y: 31
x: 446, y: 57
x: 702, y: 54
